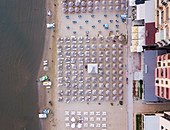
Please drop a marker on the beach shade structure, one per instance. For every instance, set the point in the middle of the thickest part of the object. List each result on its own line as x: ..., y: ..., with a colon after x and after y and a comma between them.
x: 114, y: 72
x: 107, y: 59
x: 93, y: 47
x: 123, y: 1
x: 74, y: 99
x: 60, y: 85
x: 101, y: 92
x: 114, y: 59
x: 107, y: 46
x: 80, y: 53
x: 101, y: 46
x: 101, y: 53
x: 60, y: 93
x: 120, y: 59
x: 67, y: 39
x: 81, y: 99
x: 96, y: 8
x: 114, y: 85
x: 88, y: 79
x: 73, y: 60
x: 107, y: 98
x: 121, y: 79
x: 59, y: 73
x: 114, y: 92
x: 45, y: 68
x: 110, y: 8
x: 106, y: 26
x: 107, y: 72
x: 81, y: 66
x: 101, y: 85
x: 123, y: 7
x: 120, y: 92
x: 101, y: 98
x: 107, y: 84
x: 117, y: 8
x: 120, y: 52
x: 87, y: 47
x: 110, y: 2
x: 87, y: 98
x: 67, y: 73
x: 80, y: 79
x: 64, y: 10
x: 97, y: 3
x: 67, y: 100
x: 103, y: 2
x: 94, y: 98
x: 101, y: 79
x: 120, y: 98
x: 94, y: 92
x: 81, y: 85
x: 80, y: 38
x: 107, y: 66
x: 93, y: 59
x: 87, y: 53
x: 74, y: 92
x: 120, y: 38
x: 77, y: 3
x: 81, y: 92
x: 114, y: 65
x: 83, y: 3
x: 59, y: 39
x: 71, y: 3
x: 90, y: 3
x: 94, y: 79
x: 73, y: 119
x: 120, y: 46
x: 117, y: 2
x: 70, y: 9
x: 114, y: 98
x: 107, y: 38
x: 120, y: 72
x: 120, y: 85
x: 114, y: 53
x: 93, y: 39
x: 87, y: 59
x: 60, y: 99
x: 81, y: 73
x: 87, y: 39
x: 64, y: 4
x: 113, y: 37
x: 114, y: 79
x: 104, y: 8
x: 101, y: 72
x: 77, y: 9
x: 68, y: 92
x: 100, y: 38
x: 87, y: 86
x: 80, y: 47
x: 107, y: 92
x: 94, y: 85
x: 83, y: 9
x: 114, y: 46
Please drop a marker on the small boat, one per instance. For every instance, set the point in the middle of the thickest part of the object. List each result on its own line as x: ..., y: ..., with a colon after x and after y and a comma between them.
x: 48, y: 13
x: 43, y: 78
x: 50, y: 25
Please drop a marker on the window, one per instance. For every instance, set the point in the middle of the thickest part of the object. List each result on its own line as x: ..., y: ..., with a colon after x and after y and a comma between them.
x: 162, y: 127
x: 168, y: 64
x: 162, y: 81
x: 166, y: 82
x: 163, y: 64
x: 157, y: 81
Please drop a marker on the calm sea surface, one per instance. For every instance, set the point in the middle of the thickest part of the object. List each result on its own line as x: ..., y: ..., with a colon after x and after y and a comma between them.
x: 22, y: 29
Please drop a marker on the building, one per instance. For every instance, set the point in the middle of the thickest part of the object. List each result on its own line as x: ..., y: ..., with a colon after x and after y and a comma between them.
x: 162, y: 22
x: 156, y: 121
x: 162, y: 76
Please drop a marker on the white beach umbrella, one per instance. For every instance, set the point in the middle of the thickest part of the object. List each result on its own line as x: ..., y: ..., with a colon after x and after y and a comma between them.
x: 67, y: 39
x: 101, y: 66
x: 114, y: 59
x: 87, y: 53
x: 87, y: 98
x: 94, y: 85
x: 120, y: 72
x: 70, y: 9
x: 120, y: 66
x: 123, y: 7
x: 64, y: 4
x: 80, y: 38
x: 81, y: 85
x: 114, y: 98
x: 120, y: 59
x: 90, y: 9
x: 87, y: 86
x: 114, y: 79
x: 101, y: 98
x: 64, y: 10
x: 107, y: 72
x: 101, y: 92
x: 101, y: 53
x: 113, y: 37
x: 114, y: 85
x: 120, y: 52
x: 80, y: 60
x: 93, y: 59
x: 117, y: 2
x: 120, y: 85
x: 74, y: 92
x: 120, y: 38
x: 114, y: 53
x: 107, y: 66
x: 90, y: 3
x: 114, y: 46
x: 101, y: 46
x: 101, y: 72
x: 87, y: 47
x: 96, y: 8
x: 120, y: 46
x: 117, y: 8
x: 93, y: 39
x: 107, y: 85
x: 97, y: 3
x: 120, y: 98
x: 81, y: 99
x: 110, y: 2
x: 45, y: 68
x: 94, y: 79
x: 73, y: 60
x: 103, y: 2
x: 114, y: 92
x: 107, y: 46
x: 80, y: 47
x: 107, y: 98
x: 60, y: 99
x: 114, y: 65
x: 101, y: 79
x: 94, y: 92
x: 67, y: 100
x: 107, y: 59
x: 120, y: 92
x: 111, y: 8
x: 107, y: 79
x: 70, y: 3
x: 88, y: 79
x: 107, y: 92
x: 59, y: 39
x: 83, y: 3
x: 94, y: 98
x: 93, y: 47
x: 121, y: 79
x: 107, y: 38
x: 77, y: 3
x: 104, y: 8
x: 80, y: 53
x: 83, y: 9
x: 87, y: 59
x: 114, y: 72
x: 101, y: 85
x: 77, y: 9
x: 100, y: 38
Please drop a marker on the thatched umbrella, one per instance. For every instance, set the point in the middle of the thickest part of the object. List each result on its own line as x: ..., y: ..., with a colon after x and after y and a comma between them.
x: 107, y: 92
x: 103, y: 2
x: 114, y: 59
x: 110, y: 2
x: 111, y: 8
x: 114, y: 65
x: 114, y: 85
x: 117, y: 8
x: 107, y: 85
x: 121, y: 79
x: 120, y: 85
x: 97, y: 3
x: 101, y: 85
x: 114, y: 79
x: 117, y: 2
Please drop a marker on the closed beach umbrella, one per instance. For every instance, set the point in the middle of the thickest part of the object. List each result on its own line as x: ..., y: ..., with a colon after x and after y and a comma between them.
x: 107, y: 85
x: 114, y: 65
x: 107, y: 92
x: 96, y: 8
x: 114, y: 92
x: 60, y: 99
x: 117, y: 8
x: 117, y: 2
x: 107, y: 79
x: 101, y: 98
x: 87, y: 60
x: 93, y: 39
x: 114, y: 59
x: 120, y: 46
x: 67, y: 100
x: 74, y: 99
x: 101, y: 72
x: 120, y: 66
x: 90, y: 9
x: 107, y: 46
x: 87, y: 98
x: 114, y: 46
x: 114, y: 79
x: 121, y: 79
x: 120, y: 52
x: 94, y: 85
x: 114, y: 53
x: 64, y: 10
x: 81, y: 92
x: 87, y: 53
x: 104, y: 8
x: 101, y: 85
x: 120, y: 38
x: 94, y: 98
x: 97, y: 3
x: 120, y: 59
x: 77, y: 9
x: 70, y: 3
x: 94, y: 79
x: 103, y: 2
x: 101, y: 92
x: 107, y: 72
x: 114, y: 98
x: 120, y: 85
x: 123, y: 7
x: 107, y: 59
x: 120, y: 98
x: 83, y: 9
x: 120, y: 92
x: 111, y: 8
x: 107, y: 66
x: 94, y: 92
x: 114, y: 85
x: 64, y: 4
x: 107, y: 39
x: 101, y: 79
x: 120, y: 72
x: 90, y: 3
x: 81, y: 99
x: 107, y: 98
x: 77, y: 3
x: 110, y: 2
x: 114, y: 72
x: 101, y: 46
x: 83, y: 3
x: 70, y: 9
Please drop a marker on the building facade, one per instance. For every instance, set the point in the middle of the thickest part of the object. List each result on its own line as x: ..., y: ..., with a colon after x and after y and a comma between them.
x: 162, y: 76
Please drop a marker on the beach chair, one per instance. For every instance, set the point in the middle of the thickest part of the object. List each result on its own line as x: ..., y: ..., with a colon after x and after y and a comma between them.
x: 73, y: 113
x: 81, y: 27
x: 117, y: 31
x: 103, y: 125
x: 117, y: 21
x: 78, y: 113
x: 86, y: 113
x: 66, y: 118
x: 67, y: 113
x: 104, y: 119
x: 97, y: 113
x: 92, y: 125
x: 87, y: 32
x: 111, y: 31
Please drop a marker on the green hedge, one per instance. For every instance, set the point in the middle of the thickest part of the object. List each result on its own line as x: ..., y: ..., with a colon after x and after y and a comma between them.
x: 138, y: 122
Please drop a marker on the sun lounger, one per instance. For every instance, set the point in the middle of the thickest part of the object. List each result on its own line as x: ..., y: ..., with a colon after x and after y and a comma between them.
x: 91, y: 125
x: 86, y: 113
x: 98, y: 125
x: 97, y: 113
x: 78, y: 113
x: 67, y: 124
x: 92, y: 113
x: 67, y: 113
x: 103, y: 125
x: 104, y: 119
x: 73, y: 113
x: 66, y: 118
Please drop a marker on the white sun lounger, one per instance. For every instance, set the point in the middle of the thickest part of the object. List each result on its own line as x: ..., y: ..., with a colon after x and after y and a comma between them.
x: 67, y: 113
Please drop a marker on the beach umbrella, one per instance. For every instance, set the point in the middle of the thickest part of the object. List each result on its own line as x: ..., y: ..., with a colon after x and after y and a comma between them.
x: 97, y: 3
x: 107, y: 46
x: 120, y: 38
x: 94, y: 85
x: 80, y: 38
x: 94, y: 98
x: 73, y: 66
x: 70, y: 9
x: 83, y: 9
x: 73, y: 60
x: 64, y: 4
x: 80, y: 53
x: 93, y: 39
x: 67, y: 100
x: 59, y: 73
x: 114, y: 53
x: 120, y: 46
x: 107, y: 72
x: 74, y: 47
x: 94, y: 79
x: 80, y: 60
x: 74, y: 99
x: 114, y: 85
x: 94, y: 92
x: 87, y: 98
x: 114, y: 92
x: 103, y: 2
x: 60, y: 99
x: 117, y: 8
x: 120, y: 52
x: 67, y: 85
x: 120, y: 98
x: 107, y: 59
x: 74, y: 92
x: 77, y: 9
x: 93, y: 47
x: 120, y: 59
x: 100, y: 38
x: 60, y: 79
x: 74, y: 85
x: 83, y: 3
x: 113, y: 37
x: 101, y: 54
x: 101, y: 98
x: 96, y: 8
x: 60, y: 67
x: 123, y: 1
x: 87, y: 39
x: 101, y: 72
x: 67, y: 66
x: 107, y: 79
x: 93, y: 53
x: 114, y: 65
x: 110, y: 2
x: 120, y: 72
x: 107, y: 38
x: 45, y: 68
x: 87, y: 59
x: 87, y: 53
x: 114, y: 46
x: 68, y: 92
x: 120, y: 85
x: 67, y: 73
x: 67, y: 39
x: 114, y: 59
x: 114, y: 72
x: 70, y: 3
x: 64, y: 10
x: 80, y: 79
x: 59, y: 39
x: 101, y: 46
x: 101, y: 92
x: 77, y: 3
x: 90, y: 3
x: 123, y: 7
x: 107, y: 66
x: 81, y: 73
x: 101, y: 66
x: 87, y: 47
x: 67, y: 53
x: 80, y: 66
x: 81, y: 92
x: 80, y: 47
x: 107, y: 98
x: 73, y: 119
x: 120, y: 92
x: 88, y: 79
x: 60, y: 92
x: 117, y: 2
x: 87, y: 85
x: 93, y: 59
x: 59, y: 85
x: 81, y: 99
x: 107, y: 85
x: 111, y: 8
x: 104, y: 8
x: 81, y: 85
x: 107, y: 92
x: 114, y: 79
x: 121, y: 78
x: 120, y: 66
x: 90, y: 9
x: 60, y: 60
x: 114, y: 98
x: 101, y: 85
